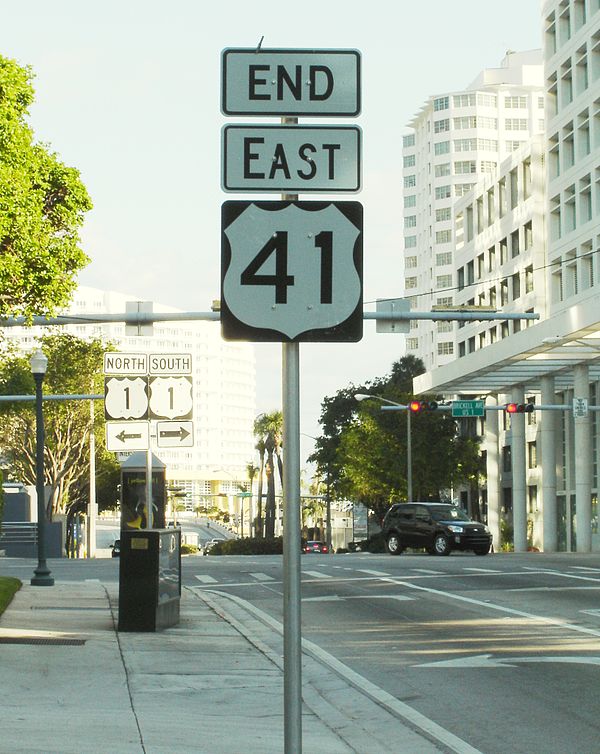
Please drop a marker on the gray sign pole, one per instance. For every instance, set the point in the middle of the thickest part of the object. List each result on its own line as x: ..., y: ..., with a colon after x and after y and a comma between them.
x: 292, y: 630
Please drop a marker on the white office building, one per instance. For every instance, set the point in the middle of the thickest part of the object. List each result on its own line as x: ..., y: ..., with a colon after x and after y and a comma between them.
x: 456, y: 139
x: 224, y: 389
x: 542, y: 467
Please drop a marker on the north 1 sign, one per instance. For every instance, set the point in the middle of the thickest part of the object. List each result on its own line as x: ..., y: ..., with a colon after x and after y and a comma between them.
x: 291, y: 159
x: 291, y: 271
x: 290, y: 82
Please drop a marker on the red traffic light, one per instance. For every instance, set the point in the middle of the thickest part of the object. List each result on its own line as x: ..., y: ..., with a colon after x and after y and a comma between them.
x: 519, y: 408
x: 418, y: 406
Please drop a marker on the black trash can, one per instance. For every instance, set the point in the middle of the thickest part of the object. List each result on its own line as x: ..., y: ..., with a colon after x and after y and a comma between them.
x: 149, y: 579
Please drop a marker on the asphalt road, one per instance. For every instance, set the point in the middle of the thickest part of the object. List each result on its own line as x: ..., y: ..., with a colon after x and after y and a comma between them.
x: 502, y: 651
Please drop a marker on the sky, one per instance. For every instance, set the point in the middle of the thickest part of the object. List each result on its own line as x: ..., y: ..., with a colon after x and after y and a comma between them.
x: 128, y: 92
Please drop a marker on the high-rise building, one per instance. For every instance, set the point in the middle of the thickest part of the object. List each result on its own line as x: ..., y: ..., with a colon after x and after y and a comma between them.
x: 457, y: 139
x: 224, y: 389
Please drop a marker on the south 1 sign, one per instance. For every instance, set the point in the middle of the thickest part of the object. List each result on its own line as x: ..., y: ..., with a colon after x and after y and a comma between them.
x: 291, y: 271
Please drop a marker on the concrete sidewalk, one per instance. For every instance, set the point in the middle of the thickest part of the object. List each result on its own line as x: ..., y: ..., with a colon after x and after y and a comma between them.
x: 71, y: 684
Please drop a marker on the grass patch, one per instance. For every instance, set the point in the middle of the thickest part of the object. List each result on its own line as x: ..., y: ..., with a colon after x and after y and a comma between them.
x: 8, y: 587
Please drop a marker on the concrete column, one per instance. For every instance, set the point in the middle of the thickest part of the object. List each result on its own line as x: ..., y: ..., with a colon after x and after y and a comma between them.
x: 519, y: 487
x: 569, y: 473
x: 583, y: 462
x: 548, y: 424
x: 493, y: 471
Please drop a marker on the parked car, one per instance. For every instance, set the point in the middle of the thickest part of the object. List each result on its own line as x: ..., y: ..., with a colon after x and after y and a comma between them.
x: 116, y: 548
x: 439, y: 528
x: 315, y: 546
x: 208, y: 545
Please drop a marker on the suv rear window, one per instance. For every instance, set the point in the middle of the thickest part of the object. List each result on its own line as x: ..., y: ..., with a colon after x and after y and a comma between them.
x: 448, y: 514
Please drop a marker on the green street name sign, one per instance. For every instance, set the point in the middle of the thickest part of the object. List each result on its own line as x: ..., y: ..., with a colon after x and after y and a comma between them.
x: 468, y: 408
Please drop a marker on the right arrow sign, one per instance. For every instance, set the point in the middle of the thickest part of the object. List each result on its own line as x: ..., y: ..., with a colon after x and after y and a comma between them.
x: 175, y: 434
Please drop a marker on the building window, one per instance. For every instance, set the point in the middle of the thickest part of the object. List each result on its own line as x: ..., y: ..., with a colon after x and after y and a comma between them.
x: 410, y: 181
x: 445, y: 348
x: 463, y: 100
x: 441, y: 170
x: 460, y: 189
x: 515, y: 124
x: 409, y: 160
x: 410, y: 242
x: 410, y: 283
x: 512, y: 146
x: 443, y: 236
x: 531, y: 455
x: 441, y: 147
x: 487, y: 100
x: 410, y: 221
x: 408, y: 140
x: 516, y: 286
x: 410, y: 200
x: 443, y: 281
x: 445, y: 213
x: 412, y: 344
x: 465, y: 166
x: 439, y: 126
x: 465, y: 145
x: 443, y: 192
x: 444, y: 326
x: 440, y: 103
x: 410, y: 262
x: 443, y: 259
x: 529, y: 279
x: 444, y: 301
x: 514, y: 244
x: 488, y: 166
x: 515, y: 102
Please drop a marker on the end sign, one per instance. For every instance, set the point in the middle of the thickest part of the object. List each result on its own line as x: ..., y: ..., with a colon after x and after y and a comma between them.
x: 290, y: 82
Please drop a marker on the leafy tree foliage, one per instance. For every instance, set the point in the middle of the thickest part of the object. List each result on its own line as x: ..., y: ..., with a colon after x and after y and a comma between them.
x: 363, y: 450
x: 74, y: 367
x: 42, y: 204
x: 268, y: 431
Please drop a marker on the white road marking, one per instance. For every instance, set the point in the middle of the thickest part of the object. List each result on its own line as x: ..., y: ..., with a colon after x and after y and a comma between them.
x: 426, y: 570
x: 595, y: 612
x: 489, y: 661
x: 206, y: 579
x: 482, y: 570
x: 372, y: 573
x: 262, y: 577
x: 500, y: 608
x: 317, y: 574
x: 586, y: 568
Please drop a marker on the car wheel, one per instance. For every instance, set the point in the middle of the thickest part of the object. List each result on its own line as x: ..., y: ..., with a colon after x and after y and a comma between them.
x: 441, y: 545
x: 393, y: 544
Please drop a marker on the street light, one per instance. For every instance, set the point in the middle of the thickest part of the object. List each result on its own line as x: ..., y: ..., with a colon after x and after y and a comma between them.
x: 364, y: 397
x: 42, y: 577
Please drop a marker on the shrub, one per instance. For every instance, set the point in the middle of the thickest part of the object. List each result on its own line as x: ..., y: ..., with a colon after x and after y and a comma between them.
x: 187, y: 549
x: 248, y: 546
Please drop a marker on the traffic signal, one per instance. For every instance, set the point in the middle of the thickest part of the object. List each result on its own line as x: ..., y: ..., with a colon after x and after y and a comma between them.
x: 417, y: 406
x: 520, y: 408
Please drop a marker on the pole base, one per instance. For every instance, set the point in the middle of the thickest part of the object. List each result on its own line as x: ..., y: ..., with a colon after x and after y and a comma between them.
x: 42, y: 577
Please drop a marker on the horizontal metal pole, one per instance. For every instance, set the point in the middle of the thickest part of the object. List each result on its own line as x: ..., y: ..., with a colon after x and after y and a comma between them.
x: 147, y: 318
x: 52, y: 397
x: 502, y: 407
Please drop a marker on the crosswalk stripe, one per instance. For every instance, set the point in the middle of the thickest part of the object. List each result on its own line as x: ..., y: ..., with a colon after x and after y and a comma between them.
x: 372, y: 573
x: 262, y: 577
x: 206, y: 579
x: 482, y: 570
x: 317, y: 574
x: 426, y: 570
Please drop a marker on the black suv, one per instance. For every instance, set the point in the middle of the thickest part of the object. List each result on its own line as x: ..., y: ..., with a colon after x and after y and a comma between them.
x: 438, y: 527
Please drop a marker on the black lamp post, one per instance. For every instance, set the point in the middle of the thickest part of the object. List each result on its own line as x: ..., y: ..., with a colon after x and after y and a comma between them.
x: 42, y: 576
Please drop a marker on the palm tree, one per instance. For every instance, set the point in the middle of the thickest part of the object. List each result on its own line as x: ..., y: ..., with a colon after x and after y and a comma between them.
x: 268, y: 429
x: 260, y: 446
x: 251, y: 470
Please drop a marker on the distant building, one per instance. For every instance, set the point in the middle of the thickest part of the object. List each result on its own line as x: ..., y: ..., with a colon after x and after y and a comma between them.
x: 457, y: 139
x: 224, y: 390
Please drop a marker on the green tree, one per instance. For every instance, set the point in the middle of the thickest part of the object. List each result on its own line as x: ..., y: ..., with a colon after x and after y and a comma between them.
x: 363, y: 449
x: 268, y: 429
x: 74, y: 367
x: 42, y: 205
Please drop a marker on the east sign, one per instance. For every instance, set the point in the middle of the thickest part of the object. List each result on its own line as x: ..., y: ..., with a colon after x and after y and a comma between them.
x: 290, y: 82
x: 291, y: 159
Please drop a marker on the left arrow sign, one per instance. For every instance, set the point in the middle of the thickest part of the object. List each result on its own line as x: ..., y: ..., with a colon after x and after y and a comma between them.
x: 127, y: 436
